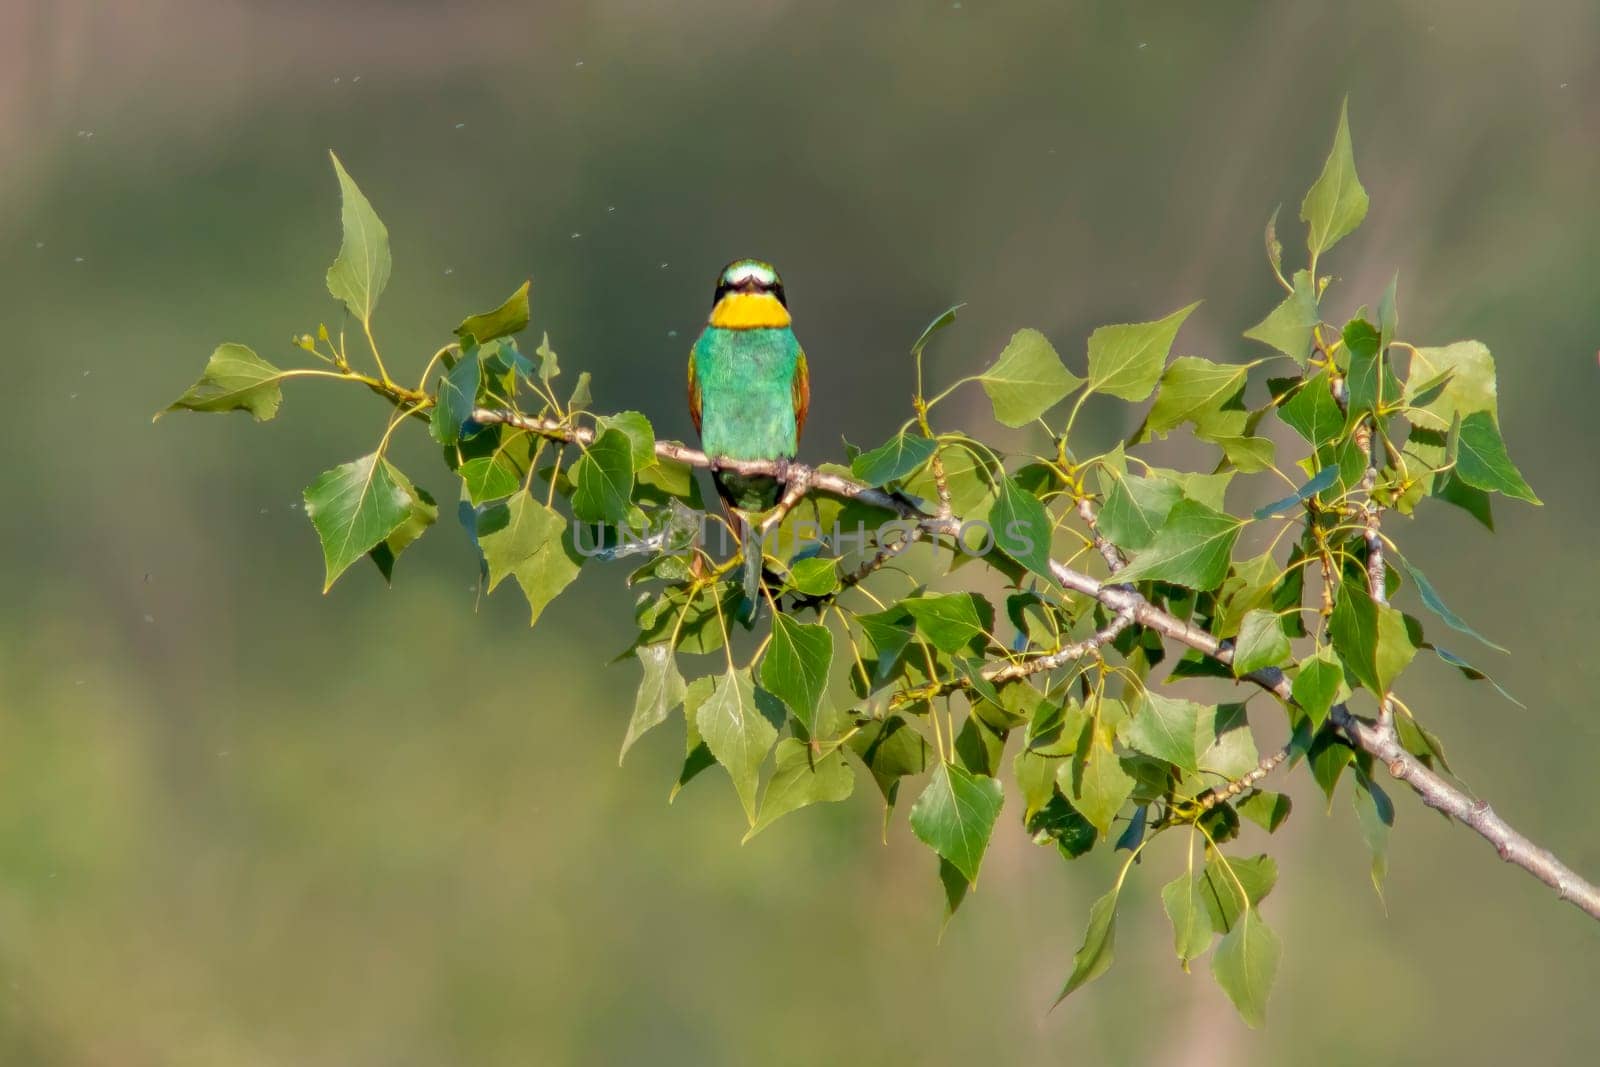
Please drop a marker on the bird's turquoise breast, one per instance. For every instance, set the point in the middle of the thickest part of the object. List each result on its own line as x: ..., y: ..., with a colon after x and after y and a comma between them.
x: 746, y: 381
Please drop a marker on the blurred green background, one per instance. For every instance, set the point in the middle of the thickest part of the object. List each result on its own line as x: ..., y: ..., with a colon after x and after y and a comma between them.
x: 241, y: 823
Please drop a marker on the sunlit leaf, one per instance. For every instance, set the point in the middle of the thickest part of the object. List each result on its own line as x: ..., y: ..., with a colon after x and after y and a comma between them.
x: 1317, y: 685
x: 234, y: 379
x: 1336, y: 203
x: 1191, y: 549
x: 1375, y: 814
x: 604, y: 479
x: 1261, y: 643
x: 800, y: 779
x: 1245, y: 964
x: 940, y: 321
x: 361, y: 270
x: 1266, y: 809
x: 660, y: 691
x: 795, y: 666
x: 948, y: 621
x: 523, y: 539
x: 1370, y: 637
x: 1177, y: 731
x: 738, y: 734
x: 1094, y: 957
x: 893, y: 460
x: 353, y: 507
x: 1027, y: 380
x: 955, y: 816
x: 509, y: 318
x: 1483, y: 462
x: 1191, y: 923
x: 1289, y: 326
x: 1126, y: 360
x: 1021, y: 528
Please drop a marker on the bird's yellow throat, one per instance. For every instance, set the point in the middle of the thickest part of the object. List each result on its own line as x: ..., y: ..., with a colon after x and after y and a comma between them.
x: 749, y: 311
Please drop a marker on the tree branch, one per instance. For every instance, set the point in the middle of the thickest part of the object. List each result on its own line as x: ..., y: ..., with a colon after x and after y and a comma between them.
x: 1435, y: 791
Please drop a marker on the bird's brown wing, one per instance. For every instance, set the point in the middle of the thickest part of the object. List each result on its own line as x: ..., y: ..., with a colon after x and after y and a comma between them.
x: 802, y: 395
x: 694, y: 395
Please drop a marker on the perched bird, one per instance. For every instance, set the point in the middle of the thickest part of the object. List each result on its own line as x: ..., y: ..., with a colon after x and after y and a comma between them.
x: 748, y: 389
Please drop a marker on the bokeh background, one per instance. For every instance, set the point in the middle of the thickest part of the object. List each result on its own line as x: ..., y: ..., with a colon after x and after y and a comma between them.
x: 242, y: 823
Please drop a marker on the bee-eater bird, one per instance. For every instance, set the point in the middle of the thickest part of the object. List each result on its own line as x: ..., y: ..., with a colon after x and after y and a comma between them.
x: 748, y: 387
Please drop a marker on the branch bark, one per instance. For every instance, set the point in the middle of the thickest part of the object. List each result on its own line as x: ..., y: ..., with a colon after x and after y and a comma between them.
x: 1125, y: 602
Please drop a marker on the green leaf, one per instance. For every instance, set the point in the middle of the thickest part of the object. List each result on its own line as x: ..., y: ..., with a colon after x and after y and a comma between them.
x: 509, y: 318
x: 1370, y: 637
x: 1313, y: 413
x: 1328, y: 757
x: 737, y: 733
x: 1389, y: 312
x: 955, y: 816
x: 353, y: 507
x: 891, y: 749
x: 660, y: 691
x: 454, y: 398
x: 948, y: 621
x: 1191, y: 923
x: 1371, y: 383
x: 1244, y: 965
x: 235, y: 379
x: 1261, y: 643
x: 1336, y: 203
x: 1195, y: 390
x: 490, y: 477
x: 524, y: 539
x: 1054, y: 819
x: 581, y: 397
x: 641, y: 436
x: 814, y: 576
x: 1027, y: 380
x: 1095, y: 780
x: 1233, y: 754
x: 549, y: 362
x: 361, y: 270
x: 1248, y: 454
x: 422, y: 512
x: 1290, y: 326
x: 1135, y: 508
x: 1125, y: 361
x: 1094, y: 957
x: 1266, y: 809
x: 1220, y: 889
x: 1456, y: 379
x: 1317, y: 685
x: 1483, y: 463
x: 1375, y: 814
x: 1435, y: 603
x: 795, y: 666
x: 1274, y: 246
x: 604, y: 478
x: 943, y: 319
x: 1322, y: 481
x: 1473, y: 674
x: 801, y: 780
x: 1021, y: 528
x: 1177, y: 731
x: 1192, y: 548
x: 893, y: 460
x: 696, y: 756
